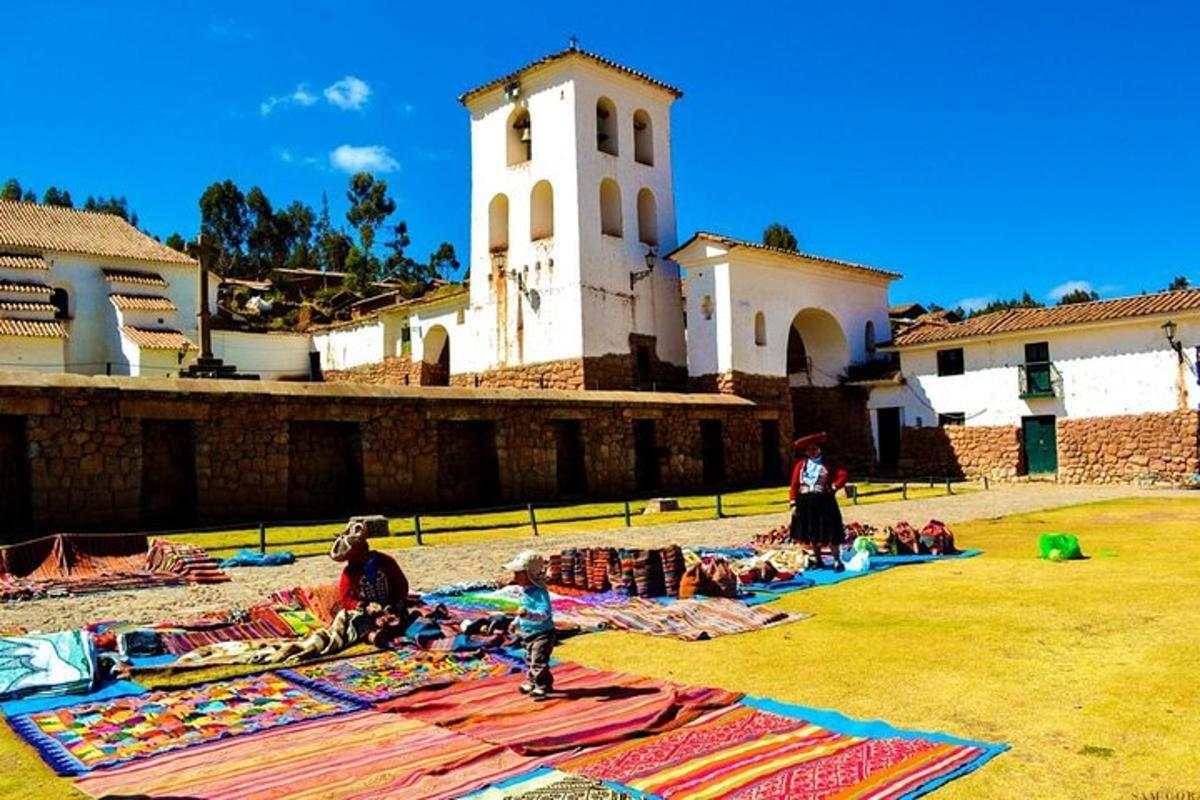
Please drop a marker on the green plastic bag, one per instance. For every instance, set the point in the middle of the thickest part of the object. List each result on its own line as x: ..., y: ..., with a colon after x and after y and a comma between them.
x: 1059, y: 546
x: 865, y: 544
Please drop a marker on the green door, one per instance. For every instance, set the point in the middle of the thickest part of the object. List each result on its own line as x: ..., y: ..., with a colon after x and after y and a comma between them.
x: 1041, y: 444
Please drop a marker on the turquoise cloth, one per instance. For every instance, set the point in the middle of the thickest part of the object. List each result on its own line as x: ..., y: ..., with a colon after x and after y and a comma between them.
x: 32, y: 705
x: 539, y: 613
x: 253, y: 558
x: 46, y: 664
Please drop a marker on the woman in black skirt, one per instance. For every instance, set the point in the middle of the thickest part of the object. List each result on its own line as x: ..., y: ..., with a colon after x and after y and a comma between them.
x: 816, y: 518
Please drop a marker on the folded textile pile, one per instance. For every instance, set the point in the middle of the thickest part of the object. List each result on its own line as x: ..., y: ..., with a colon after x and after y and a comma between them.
x: 641, y: 573
x: 934, y: 539
x: 186, y: 560
x: 323, y: 600
x: 691, y: 620
x: 778, y: 535
x: 46, y: 664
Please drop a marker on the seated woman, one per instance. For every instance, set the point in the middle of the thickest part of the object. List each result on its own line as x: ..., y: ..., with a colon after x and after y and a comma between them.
x: 816, y: 518
x: 373, y: 583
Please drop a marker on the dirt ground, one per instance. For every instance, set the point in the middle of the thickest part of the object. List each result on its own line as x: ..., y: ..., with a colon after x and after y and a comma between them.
x: 437, y: 565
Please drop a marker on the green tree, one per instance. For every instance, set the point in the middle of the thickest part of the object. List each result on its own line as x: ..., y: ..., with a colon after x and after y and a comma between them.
x: 1024, y: 301
x: 362, y: 269
x: 296, y: 224
x: 778, y: 236
x: 223, y: 216
x: 1078, y: 296
x: 54, y: 197
x: 369, y: 207
x: 1179, y: 283
x: 118, y: 206
x: 267, y: 240
x: 443, y: 262
x: 333, y: 245
x: 11, y: 190
x: 398, y: 265
x: 176, y: 242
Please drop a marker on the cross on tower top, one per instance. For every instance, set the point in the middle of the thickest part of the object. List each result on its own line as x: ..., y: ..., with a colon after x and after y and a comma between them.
x: 573, y: 42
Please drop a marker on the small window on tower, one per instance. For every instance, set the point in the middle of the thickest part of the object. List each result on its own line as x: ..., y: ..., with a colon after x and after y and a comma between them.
x: 520, y: 137
x: 606, y: 126
x: 643, y: 138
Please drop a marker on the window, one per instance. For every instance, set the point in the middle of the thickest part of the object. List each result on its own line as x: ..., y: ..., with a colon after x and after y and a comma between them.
x: 62, y: 304
x: 760, y: 329
x: 1038, y: 377
x: 541, y: 211
x: 870, y: 339
x: 498, y: 224
x: 610, y: 208
x: 520, y: 137
x: 647, y: 209
x: 950, y: 362
x: 643, y: 138
x: 706, y: 306
x: 952, y: 418
x: 606, y: 126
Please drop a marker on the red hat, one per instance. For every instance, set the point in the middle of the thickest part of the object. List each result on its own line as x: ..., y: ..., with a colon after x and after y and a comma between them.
x: 812, y: 438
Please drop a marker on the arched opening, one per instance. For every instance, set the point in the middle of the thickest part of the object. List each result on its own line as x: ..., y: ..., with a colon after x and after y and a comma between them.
x: 817, y: 349
x: 520, y: 137
x: 610, y: 208
x: 541, y: 211
x: 606, y: 126
x: 643, y: 138
x: 62, y: 303
x: 498, y: 224
x: 760, y: 332
x: 436, y: 357
x: 647, y: 209
x: 869, y: 338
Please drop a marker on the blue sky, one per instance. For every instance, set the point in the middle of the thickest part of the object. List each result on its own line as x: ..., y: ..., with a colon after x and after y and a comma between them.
x: 979, y: 148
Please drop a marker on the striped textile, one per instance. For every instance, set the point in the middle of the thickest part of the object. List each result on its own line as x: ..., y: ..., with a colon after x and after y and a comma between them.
x: 383, y: 676
x: 746, y: 754
x: 180, y: 642
x: 188, y: 560
x: 691, y: 619
x: 588, y: 707
x: 322, y: 599
x: 359, y: 756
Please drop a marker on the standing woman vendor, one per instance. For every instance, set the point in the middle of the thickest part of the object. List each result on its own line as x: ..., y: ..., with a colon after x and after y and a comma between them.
x: 816, y: 518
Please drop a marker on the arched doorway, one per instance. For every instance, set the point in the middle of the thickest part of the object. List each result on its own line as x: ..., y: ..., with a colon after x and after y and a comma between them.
x: 817, y: 349
x: 435, y: 369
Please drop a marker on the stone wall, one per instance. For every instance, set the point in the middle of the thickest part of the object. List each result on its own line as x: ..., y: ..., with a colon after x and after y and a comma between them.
x: 392, y: 371
x: 840, y: 411
x: 961, y: 451
x: 565, y: 374
x: 259, y: 446
x: 1155, y: 448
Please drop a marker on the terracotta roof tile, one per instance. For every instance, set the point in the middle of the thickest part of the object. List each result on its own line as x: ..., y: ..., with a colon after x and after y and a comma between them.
x: 142, y: 302
x: 22, y: 261
x: 24, y: 287
x: 130, y: 276
x: 730, y: 242
x: 46, y: 329
x: 67, y: 230
x: 570, y: 52
x: 27, y: 305
x: 157, y: 338
x: 1028, y: 319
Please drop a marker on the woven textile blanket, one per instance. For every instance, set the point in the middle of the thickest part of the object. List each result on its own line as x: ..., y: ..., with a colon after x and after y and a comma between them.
x: 743, y: 753
x: 46, y: 664
x: 85, y: 736
x: 587, y: 707
x: 359, y: 756
x: 389, y: 674
x: 550, y: 784
x: 691, y: 620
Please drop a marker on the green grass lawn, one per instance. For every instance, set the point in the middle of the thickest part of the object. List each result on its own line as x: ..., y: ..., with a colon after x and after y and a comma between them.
x: 473, y: 527
x: 1086, y: 668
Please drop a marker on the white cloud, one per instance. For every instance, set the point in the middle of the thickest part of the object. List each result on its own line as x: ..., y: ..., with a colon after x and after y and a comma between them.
x: 350, y: 93
x: 286, y: 156
x: 368, y: 158
x: 300, y: 96
x: 1063, y: 289
x: 975, y: 303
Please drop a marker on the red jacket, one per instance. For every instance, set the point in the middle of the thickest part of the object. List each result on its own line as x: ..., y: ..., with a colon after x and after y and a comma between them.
x: 378, y: 579
x: 837, y: 478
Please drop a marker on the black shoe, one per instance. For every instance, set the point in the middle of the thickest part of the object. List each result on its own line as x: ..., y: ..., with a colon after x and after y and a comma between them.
x: 838, y: 566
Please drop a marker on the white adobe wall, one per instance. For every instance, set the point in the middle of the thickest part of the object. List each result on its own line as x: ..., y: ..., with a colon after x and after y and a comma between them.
x: 350, y: 345
x: 453, y: 319
x: 36, y: 354
x: 1111, y: 370
x: 272, y: 356
x: 708, y: 337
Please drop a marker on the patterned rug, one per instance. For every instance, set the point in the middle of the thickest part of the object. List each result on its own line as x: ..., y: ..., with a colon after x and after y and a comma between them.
x: 390, y: 674
x: 550, y: 784
x: 690, y: 620
x: 588, y: 707
x: 351, y: 757
x: 744, y: 753
x: 82, y: 737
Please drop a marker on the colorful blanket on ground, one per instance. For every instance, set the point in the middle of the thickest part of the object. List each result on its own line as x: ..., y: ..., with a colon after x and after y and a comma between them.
x: 743, y: 752
x: 551, y: 784
x: 691, y: 620
x: 587, y: 707
x: 358, y: 756
x: 46, y: 664
x: 191, y: 562
x: 82, y: 737
x: 387, y: 675
x: 323, y: 600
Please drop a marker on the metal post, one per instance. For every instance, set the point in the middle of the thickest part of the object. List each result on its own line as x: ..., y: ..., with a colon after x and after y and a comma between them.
x: 949, y: 488
x: 985, y: 483
x: 930, y: 481
x: 533, y: 520
x: 262, y: 537
x: 628, y: 519
x: 854, y: 493
x: 417, y: 528
x: 720, y: 511
x: 904, y: 490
